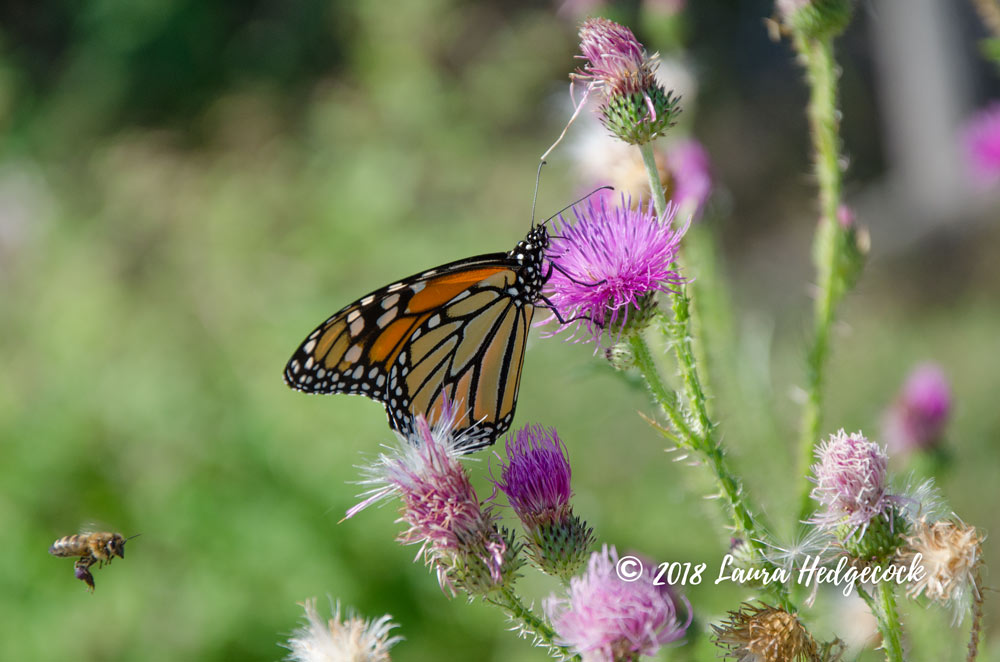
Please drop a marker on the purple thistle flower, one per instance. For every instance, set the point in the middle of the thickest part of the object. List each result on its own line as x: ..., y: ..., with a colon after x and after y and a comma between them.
x: 982, y: 145
x: 851, y: 482
x: 535, y: 479
x: 609, y: 263
x: 605, y: 618
x: 616, y: 61
x: 536, y: 476
x: 635, y: 107
x: 457, y: 534
x: 917, y: 419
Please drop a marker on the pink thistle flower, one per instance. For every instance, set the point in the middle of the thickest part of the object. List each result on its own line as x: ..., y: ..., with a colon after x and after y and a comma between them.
x: 605, y: 618
x: 917, y: 419
x: 982, y: 145
x: 536, y: 480
x: 609, y: 263
x: 458, y: 536
x: 851, y: 483
x: 635, y: 106
x: 616, y: 61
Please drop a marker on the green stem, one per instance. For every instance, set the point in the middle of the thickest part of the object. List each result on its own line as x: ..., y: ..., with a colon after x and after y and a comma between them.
x: 664, y: 396
x: 883, y: 608
x: 655, y: 185
x: 892, y: 631
x: 821, y: 73
x: 694, y: 427
x: 509, y: 602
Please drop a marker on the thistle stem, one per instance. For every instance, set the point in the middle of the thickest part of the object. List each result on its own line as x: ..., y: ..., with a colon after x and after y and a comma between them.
x: 889, y: 625
x: 664, y: 396
x: 821, y: 74
x: 539, y: 629
x: 655, y: 185
x: 883, y: 608
x: 693, y: 423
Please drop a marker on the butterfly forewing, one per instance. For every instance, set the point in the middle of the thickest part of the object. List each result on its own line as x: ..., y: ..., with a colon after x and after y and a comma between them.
x: 455, y: 333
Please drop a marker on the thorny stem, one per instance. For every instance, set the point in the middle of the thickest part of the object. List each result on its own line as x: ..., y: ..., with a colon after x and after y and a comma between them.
x: 693, y: 424
x: 892, y: 631
x: 977, y: 619
x: 530, y: 623
x: 883, y: 607
x: 664, y: 396
x: 821, y: 73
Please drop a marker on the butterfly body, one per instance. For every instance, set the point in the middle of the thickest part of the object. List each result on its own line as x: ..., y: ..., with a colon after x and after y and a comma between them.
x: 453, y: 333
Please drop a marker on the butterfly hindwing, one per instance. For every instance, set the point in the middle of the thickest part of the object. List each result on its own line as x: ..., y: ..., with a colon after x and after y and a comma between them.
x: 454, y: 333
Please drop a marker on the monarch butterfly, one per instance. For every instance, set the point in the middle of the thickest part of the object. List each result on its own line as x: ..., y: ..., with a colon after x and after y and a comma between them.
x: 452, y: 333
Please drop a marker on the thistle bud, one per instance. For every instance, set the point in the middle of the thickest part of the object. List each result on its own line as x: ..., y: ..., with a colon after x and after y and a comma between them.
x: 635, y: 107
x: 536, y: 481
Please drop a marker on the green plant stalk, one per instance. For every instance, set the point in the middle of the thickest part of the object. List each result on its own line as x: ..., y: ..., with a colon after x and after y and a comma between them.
x: 883, y: 607
x: 700, y: 434
x: 663, y: 395
x: 821, y: 73
x: 889, y: 626
x: 509, y: 602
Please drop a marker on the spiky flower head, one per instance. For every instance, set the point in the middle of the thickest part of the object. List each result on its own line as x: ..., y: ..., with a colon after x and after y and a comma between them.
x: 609, y: 265
x: 536, y: 480
x: 852, y: 486
x: 816, y: 19
x: 351, y: 640
x: 606, y: 619
x: 917, y: 419
x: 458, y: 535
x: 982, y: 146
x: 951, y: 553
x: 761, y: 633
x: 634, y: 106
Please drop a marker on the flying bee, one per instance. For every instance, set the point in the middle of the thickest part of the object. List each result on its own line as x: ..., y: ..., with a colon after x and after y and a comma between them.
x: 99, y: 548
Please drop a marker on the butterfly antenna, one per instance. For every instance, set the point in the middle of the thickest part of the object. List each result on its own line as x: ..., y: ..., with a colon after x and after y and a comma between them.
x: 576, y: 202
x: 534, y: 198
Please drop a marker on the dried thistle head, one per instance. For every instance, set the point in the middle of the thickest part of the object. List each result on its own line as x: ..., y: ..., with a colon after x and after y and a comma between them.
x: 336, y: 640
x: 761, y: 633
x: 951, y: 553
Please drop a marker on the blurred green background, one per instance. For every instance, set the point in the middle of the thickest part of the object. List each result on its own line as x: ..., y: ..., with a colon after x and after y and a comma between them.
x: 187, y: 188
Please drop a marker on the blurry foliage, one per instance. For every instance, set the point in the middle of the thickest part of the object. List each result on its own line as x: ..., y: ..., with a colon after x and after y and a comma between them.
x: 187, y: 188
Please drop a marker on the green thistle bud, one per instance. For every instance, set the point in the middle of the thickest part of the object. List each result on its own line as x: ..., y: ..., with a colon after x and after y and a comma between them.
x: 879, y: 541
x: 560, y: 547
x: 639, y: 117
x: 483, y: 565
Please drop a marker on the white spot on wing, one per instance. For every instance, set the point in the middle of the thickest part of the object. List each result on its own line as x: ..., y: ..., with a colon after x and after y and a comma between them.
x: 357, y: 326
x: 386, y: 317
x: 353, y: 354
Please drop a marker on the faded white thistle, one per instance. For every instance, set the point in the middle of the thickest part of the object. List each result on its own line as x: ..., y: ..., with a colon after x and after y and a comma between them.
x: 353, y: 639
x: 951, y: 554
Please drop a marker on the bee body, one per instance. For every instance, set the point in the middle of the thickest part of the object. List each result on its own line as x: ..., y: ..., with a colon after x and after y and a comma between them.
x: 99, y: 548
